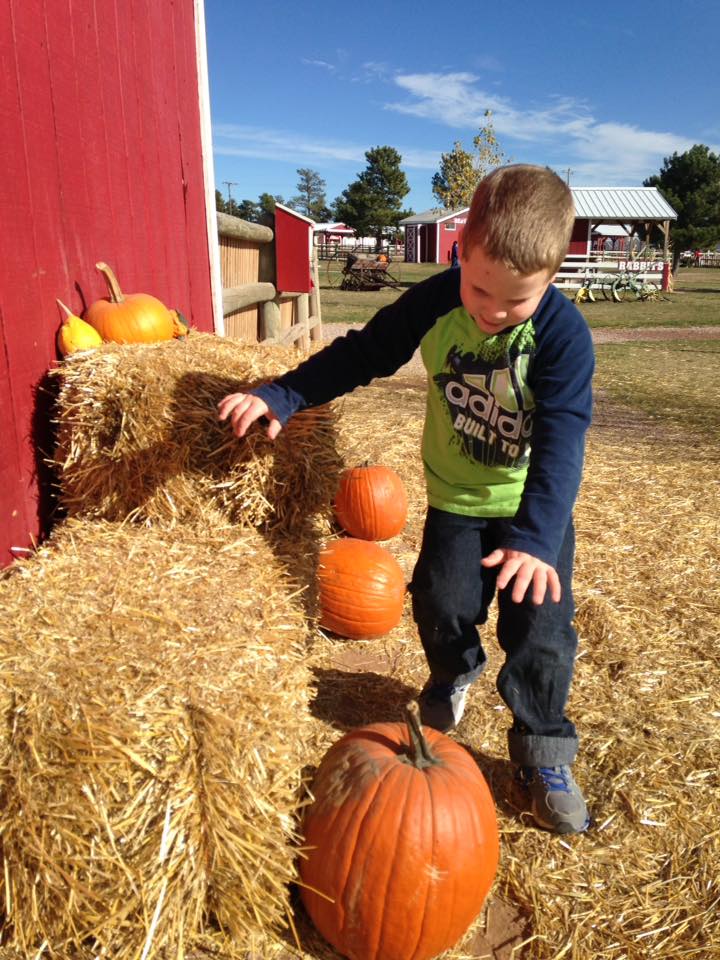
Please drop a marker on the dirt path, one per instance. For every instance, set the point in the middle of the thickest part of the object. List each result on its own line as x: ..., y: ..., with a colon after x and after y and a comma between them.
x: 601, y: 335
x: 612, y: 335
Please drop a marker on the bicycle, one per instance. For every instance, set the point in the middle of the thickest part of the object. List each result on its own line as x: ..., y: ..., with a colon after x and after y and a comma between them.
x: 629, y: 286
x: 592, y: 284
x: 585, y: 291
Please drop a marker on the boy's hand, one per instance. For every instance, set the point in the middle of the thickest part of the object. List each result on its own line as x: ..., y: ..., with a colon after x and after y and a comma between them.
x: 244, y: 409
x: 526, y: 569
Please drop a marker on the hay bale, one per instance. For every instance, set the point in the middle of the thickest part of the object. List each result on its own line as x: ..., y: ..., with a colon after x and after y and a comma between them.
x: 138, y: 437
x: 155, y: 693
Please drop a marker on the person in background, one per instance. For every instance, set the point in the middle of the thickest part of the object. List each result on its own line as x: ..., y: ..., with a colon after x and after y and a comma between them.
x: 454, y: 258
x: 509, y: 360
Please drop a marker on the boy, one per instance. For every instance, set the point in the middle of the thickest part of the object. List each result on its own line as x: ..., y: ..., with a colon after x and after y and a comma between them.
x: 509, y: 362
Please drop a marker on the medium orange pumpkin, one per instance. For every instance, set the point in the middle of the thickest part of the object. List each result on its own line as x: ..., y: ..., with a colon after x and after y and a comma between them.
x: 371, y: 502
x: 362, y: 589
x: 131, y: 318
x: 402, y: 837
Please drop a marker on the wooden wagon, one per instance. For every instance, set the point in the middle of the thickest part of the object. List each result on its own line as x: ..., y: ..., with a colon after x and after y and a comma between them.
x: 364, y: 273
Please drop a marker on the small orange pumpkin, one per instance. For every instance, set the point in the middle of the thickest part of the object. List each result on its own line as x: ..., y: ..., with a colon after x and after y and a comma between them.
x: 131, y: 318
x: 402, y: 842
x: 371, y: 502
x: 362, y: 589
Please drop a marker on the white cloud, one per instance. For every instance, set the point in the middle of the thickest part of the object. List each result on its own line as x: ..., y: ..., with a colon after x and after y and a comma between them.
x: 238, y: 140
x: 454, y: 99
x: 564, y: 127
x: 616, y: 153
x: 319, y: 63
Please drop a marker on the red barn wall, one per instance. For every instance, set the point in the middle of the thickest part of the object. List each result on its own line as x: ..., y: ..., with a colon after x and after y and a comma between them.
x: 579, y: 239
x: 101, y: 160
x: 447, y: 236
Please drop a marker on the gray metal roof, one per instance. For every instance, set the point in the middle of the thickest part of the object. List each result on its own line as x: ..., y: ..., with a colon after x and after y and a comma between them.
x: 591, y: 203
x: 434, y: 215
x: 621, y: 203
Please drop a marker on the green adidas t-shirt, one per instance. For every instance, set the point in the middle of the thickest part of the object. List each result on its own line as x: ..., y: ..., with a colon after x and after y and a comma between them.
x: 488, y: 398
x: 476, y: 442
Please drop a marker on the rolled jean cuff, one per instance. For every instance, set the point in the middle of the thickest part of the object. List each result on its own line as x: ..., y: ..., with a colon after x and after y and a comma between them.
x: 528, y: 750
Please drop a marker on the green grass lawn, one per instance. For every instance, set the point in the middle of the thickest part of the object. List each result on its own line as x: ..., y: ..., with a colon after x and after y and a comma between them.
x: 674, y: 381
x: 695, y: 302
x: 353, y: 306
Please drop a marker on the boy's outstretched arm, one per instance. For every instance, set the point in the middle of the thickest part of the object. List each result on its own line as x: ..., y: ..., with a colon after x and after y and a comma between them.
x: 244, y: 409
x: 527, y: 570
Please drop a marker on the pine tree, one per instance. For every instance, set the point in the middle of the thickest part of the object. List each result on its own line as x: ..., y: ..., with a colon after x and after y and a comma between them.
x: 690, y: 182
x: 373, y: 202
x: 311, y: 200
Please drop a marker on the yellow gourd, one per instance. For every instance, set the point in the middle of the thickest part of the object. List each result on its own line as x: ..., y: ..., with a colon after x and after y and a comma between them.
x: 75, y: 335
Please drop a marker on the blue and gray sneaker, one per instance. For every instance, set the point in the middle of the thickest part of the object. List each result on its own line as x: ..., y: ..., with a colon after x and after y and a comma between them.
x: 556, y: 801
x: 442, y: 704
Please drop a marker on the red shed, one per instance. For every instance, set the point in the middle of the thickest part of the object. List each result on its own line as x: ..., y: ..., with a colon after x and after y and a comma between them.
x: 429, y: 236
x: 293, y: 250
x: 105, y: 156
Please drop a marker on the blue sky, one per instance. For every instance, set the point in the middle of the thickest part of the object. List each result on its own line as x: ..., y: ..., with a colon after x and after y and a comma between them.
x: 604, y: 90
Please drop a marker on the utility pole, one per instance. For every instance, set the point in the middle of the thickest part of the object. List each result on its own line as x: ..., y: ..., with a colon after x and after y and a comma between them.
x: 567, y: 175
x: 228, y: 184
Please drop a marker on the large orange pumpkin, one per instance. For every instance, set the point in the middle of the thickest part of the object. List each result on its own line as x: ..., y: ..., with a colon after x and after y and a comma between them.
x: 129, y: 318
x: 371, y: 502
x: 362, y: 588
x: 403, y: 839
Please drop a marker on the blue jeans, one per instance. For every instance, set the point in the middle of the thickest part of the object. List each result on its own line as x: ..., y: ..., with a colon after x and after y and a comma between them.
x: 451, y: 592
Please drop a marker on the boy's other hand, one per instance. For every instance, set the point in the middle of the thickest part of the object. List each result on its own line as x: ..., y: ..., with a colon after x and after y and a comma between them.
x: 244, y: 409
x: 527, y: 570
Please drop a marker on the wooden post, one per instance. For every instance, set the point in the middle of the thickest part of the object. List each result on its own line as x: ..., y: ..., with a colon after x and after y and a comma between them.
x: 303, y: 312
x: 666, y: 276
x: 270, y: 320
x: 315, y: 313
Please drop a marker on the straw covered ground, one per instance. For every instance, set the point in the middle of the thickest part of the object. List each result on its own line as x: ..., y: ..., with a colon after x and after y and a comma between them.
x: 644, y: 882
x: 110, y: 620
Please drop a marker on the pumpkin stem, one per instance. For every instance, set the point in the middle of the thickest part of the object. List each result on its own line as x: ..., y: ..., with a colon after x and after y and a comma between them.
x: 67, y: 310
x: 422, y: 756
x: 116, y: 294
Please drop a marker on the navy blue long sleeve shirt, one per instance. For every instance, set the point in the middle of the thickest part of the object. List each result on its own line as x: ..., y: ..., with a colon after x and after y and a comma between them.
x: 506, y: 413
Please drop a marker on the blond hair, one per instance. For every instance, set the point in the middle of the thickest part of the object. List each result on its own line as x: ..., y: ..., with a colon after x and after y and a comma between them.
x: 522, y: 215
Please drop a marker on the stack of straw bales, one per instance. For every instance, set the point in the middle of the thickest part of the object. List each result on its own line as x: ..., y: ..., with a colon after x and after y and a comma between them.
x: 138, y: 437
x: 153, y: 674
x: 154, y: 695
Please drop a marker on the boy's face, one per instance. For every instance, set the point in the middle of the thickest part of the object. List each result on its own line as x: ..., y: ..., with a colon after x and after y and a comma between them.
x: 496, y: 297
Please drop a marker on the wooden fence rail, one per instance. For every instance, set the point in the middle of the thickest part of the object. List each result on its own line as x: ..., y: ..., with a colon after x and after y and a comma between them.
x: 253, y: 308
x: 576, y: 267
